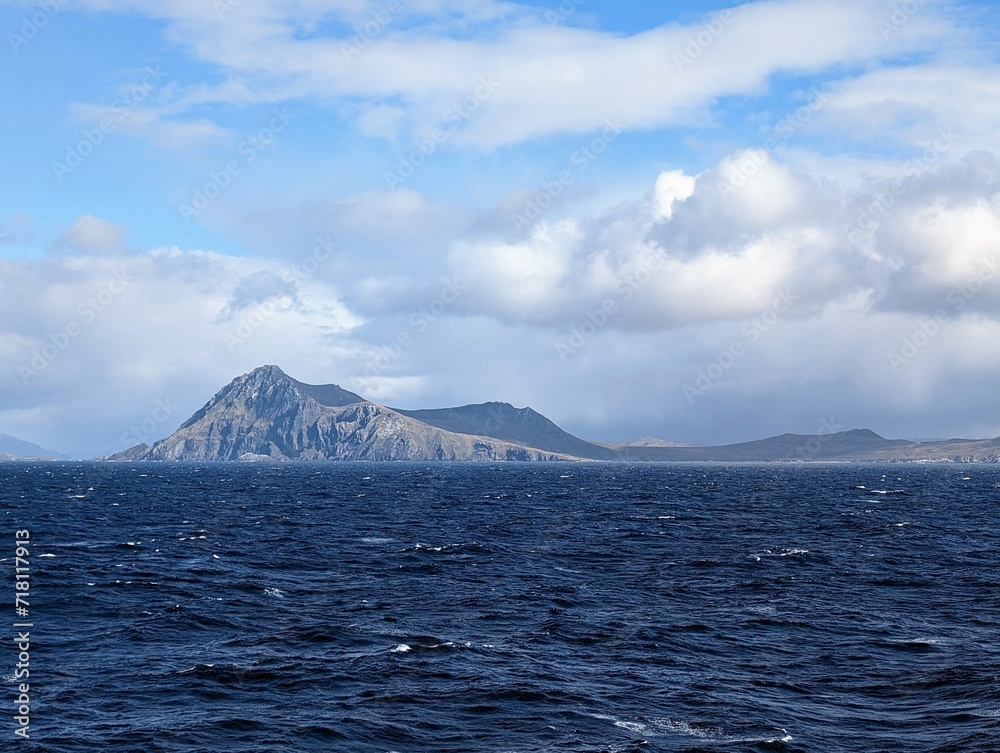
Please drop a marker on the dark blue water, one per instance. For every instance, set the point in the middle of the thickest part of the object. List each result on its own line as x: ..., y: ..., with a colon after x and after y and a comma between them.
x: 521, y: 608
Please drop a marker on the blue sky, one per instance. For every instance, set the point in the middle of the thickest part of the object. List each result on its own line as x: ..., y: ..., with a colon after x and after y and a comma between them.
x: 811, y: 184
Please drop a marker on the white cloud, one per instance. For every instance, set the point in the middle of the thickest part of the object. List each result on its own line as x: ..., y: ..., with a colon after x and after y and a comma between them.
x: 671, y: 186
x: 91, y: 341
x: 915, y: 104
x: 417, y: 66
x: 718, y: 254
x: 92, y: 235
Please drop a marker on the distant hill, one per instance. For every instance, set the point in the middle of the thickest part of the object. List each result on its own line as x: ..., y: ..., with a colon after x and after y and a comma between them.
x: 521, y: 426
x: 18, y: 448
x: 847, y: 445
x: 950, y: 451
x: 854, y: 445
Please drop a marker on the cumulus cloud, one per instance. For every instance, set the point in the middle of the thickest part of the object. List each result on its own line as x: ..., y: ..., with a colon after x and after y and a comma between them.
x: 256, y: 290
x: 91, y: 341
x: 695, y: 250
x: 671, y: 186
x: 740, y: 233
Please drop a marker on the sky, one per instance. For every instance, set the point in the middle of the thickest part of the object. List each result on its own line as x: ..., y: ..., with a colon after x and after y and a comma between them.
x: 698, y: 221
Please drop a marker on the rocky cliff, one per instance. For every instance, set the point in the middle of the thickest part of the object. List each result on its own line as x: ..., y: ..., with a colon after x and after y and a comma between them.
x: 267, y: 414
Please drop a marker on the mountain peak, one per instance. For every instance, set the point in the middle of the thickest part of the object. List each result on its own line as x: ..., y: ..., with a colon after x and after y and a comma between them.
x: 268, y: 414
x: 268, y: 372
x: 268, y: 377
x: 521, y: 426
x: 868, y: 433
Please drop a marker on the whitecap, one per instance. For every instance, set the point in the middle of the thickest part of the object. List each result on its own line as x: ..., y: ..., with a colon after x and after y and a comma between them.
x: 685, y: 728
x: 632, y: 726
x: 275, y: 592
x: 402, y: 648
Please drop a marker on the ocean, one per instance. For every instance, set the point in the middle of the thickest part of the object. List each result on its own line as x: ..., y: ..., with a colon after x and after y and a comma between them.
x: 508, y: 608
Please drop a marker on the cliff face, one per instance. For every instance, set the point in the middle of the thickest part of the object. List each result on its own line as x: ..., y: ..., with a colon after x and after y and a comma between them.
x: 267, y: 414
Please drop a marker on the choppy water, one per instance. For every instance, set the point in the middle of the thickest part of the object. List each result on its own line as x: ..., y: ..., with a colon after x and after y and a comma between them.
x: 527, y: 608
